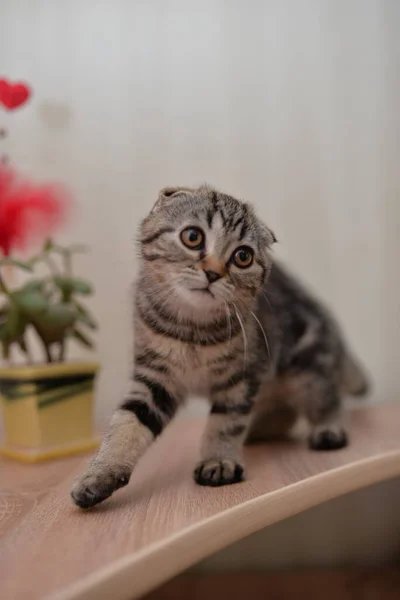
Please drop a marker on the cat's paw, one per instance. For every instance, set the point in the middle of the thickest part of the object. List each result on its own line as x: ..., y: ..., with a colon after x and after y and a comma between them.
x: 216, y: 472
x: 328, y: 439
x: 95, y: 486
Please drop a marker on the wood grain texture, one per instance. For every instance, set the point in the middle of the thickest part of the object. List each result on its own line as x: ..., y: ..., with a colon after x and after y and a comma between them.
x: 162, y: 522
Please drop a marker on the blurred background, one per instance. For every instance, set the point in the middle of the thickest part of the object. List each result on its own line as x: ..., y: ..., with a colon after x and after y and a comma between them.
x: 291, y: 105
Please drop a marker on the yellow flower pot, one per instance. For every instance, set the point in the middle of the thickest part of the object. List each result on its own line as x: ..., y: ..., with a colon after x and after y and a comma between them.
x: 47, y: 410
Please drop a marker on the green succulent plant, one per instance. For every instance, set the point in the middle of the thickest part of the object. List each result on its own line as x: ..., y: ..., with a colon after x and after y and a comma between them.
x: 50, y: 305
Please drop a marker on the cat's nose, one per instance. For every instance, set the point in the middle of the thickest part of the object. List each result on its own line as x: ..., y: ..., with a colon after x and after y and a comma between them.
x: 212, y: 276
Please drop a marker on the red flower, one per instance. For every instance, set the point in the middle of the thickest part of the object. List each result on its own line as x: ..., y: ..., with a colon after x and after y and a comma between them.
x: 27, y: 212
x: 13, y: 95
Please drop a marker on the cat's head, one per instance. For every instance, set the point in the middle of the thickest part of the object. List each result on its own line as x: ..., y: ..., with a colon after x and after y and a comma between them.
x: 204, y: 248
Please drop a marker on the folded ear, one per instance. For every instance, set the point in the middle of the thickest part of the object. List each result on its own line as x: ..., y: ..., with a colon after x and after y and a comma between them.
x: 168, y: 194
x: 269, y: 236
x: 273, y: 237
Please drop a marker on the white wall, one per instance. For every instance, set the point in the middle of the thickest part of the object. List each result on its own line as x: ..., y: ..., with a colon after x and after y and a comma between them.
x: 293, y: 105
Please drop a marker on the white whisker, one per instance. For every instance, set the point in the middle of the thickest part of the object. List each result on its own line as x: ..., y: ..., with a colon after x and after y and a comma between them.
x: 239, y: 318
x: 266, y: 299
x: 264, y: 334
x: 228, y: 322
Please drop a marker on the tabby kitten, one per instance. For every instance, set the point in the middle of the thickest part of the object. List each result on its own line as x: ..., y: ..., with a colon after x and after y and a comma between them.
x: 215, y: 317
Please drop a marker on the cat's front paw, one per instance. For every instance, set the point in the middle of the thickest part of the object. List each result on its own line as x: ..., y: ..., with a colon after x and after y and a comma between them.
x: 95, y: 486
x: 217, y: 472
x: 328, y: 439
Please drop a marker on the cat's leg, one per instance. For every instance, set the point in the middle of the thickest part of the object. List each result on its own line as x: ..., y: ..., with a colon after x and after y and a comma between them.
x: 273, y: 418
x: 226, y: 429
x: 140, y: 418
x: 324, y: 411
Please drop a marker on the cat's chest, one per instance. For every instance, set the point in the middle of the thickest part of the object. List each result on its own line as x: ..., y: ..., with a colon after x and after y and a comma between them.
x: 191, y: 365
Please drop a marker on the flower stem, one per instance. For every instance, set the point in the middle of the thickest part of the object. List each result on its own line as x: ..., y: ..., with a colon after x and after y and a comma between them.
x: 3, y: 287
x: 51, y: 265
x: 46, y: 349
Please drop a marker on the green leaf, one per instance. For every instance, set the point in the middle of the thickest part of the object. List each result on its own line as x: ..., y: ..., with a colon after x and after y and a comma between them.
x: 34, y: 285
x: 82, y: 338
x: 53, y: 324
x: 69, y: 285
x: 85, y: 316
x: 31, y: 302
x: 87, y: 320
x: 83, y: 287
x: 26, y: 266
x: 56, y: 316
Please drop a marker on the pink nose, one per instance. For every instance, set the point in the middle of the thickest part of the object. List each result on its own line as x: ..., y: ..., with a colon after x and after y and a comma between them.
x: 212, y: 276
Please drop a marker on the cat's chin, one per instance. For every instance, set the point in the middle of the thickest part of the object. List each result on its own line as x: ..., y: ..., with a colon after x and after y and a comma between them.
x: 200, y: 300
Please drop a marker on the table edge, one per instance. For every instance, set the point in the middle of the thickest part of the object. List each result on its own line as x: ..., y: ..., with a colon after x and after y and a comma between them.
x: 138, y: 573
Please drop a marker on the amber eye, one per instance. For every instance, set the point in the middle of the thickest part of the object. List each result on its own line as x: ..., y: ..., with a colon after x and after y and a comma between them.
x: 193, y: 238
x: 243, y: 257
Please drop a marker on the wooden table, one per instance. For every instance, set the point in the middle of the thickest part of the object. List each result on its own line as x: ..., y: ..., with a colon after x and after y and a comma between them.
x: 162, y: 522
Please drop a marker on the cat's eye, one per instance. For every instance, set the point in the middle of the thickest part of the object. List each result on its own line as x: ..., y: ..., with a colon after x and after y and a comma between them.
x: 243, y: 257
x: 193, y: 238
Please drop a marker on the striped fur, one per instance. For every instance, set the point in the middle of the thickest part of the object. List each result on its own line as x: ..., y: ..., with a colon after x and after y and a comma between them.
x: 245, y: 336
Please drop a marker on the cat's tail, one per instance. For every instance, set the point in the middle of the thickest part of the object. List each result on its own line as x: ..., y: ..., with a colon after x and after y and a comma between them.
x: 354, y: 380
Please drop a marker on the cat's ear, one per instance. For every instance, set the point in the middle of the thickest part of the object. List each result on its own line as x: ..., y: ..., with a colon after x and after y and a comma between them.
x: 268, y: 235
x: 172, y: 192
x: 168, y: 194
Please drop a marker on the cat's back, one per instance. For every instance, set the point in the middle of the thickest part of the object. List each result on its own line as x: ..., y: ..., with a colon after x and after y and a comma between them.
x: 295, y: 319
x: 285, y: 291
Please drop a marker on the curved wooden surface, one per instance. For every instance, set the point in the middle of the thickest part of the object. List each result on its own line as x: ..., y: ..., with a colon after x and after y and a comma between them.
x: 162, y: 522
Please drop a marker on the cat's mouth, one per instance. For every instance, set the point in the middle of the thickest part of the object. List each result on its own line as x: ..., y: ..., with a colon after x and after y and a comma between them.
x: 204, y: 290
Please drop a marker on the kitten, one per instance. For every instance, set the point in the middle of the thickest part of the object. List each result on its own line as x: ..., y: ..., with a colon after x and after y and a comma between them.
x: 215, y: 317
